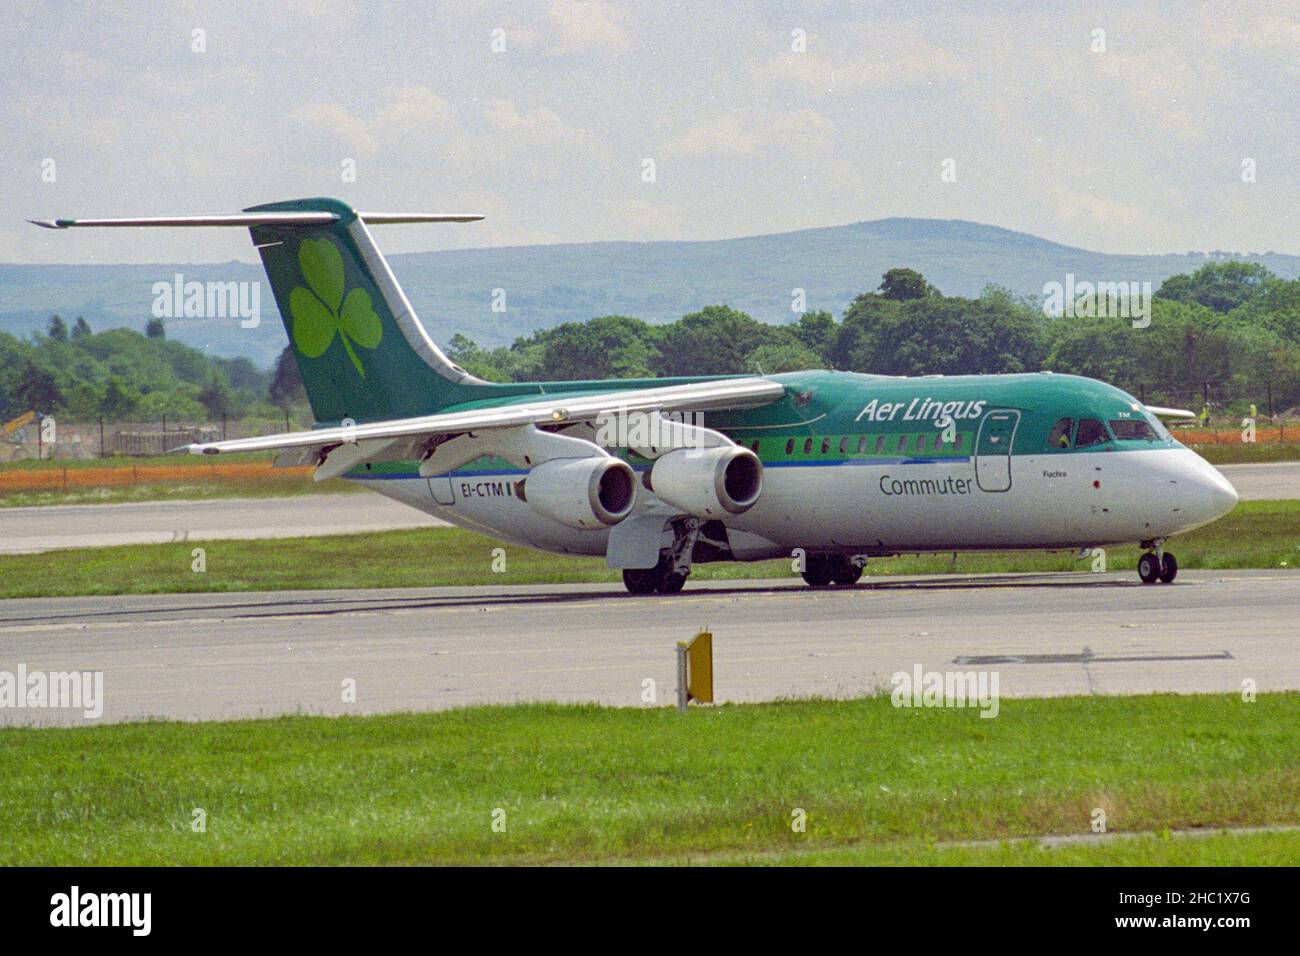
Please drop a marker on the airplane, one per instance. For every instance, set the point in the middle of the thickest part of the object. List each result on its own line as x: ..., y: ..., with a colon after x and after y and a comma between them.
x: 829, y: 468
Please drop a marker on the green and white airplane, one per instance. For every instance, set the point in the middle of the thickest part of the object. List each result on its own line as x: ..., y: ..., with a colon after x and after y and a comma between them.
x: 659, y: 474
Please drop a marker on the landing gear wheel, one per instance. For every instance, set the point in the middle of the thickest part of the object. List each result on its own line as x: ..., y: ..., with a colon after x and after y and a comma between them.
x: 1168, y: 568
x: 640, y: 580
x: 671, y: 583
x: 1149, y: 568
x: 844, y: 572
x: 656, y: 580
x: 817, y: 570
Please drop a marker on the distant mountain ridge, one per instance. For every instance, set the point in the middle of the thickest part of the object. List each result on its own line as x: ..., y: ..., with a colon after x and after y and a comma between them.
x: 543, y: 286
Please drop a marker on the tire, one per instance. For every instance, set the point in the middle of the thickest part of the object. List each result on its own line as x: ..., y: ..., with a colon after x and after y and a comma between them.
x: 1168, y: 568
x: 640, y: 580
x: 1149, y: 568
x: 817, y: 571
x: 671, y: 583
x: 844, y: 572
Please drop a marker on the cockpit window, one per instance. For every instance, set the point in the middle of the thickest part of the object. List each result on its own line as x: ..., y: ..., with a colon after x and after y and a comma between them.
x: 1091, y: 432
x: 1060, y: 436
x: 1159, y: 427
x: 1134, y: 429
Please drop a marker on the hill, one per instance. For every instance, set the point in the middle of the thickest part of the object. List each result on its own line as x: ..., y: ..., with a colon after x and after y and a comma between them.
x: 657, y: 281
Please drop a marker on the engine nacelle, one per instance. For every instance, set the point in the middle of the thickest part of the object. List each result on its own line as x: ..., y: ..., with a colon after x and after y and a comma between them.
x: 709, y: 482
x: 582, y: 492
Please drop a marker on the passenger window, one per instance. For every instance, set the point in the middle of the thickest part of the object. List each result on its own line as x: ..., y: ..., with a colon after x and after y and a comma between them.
x: 826, y: 445
x: 754, y: 447
x: 789, y: 446
x: 1060, y: 435
x: 880, y: 444
x: 902, y: 443
x: 862, y: 445
x: 844, y: 444
x: 807, y: 446
x: 957, y: 443
x: 1091, y: 432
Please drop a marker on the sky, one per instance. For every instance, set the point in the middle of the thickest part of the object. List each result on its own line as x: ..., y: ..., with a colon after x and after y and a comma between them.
x: 1128, y: 127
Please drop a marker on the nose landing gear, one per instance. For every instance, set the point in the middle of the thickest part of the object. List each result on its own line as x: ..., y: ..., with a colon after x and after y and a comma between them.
x: 1157, y: 564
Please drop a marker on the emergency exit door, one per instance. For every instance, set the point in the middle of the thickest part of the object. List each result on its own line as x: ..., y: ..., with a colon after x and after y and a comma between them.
x: 993, y: 450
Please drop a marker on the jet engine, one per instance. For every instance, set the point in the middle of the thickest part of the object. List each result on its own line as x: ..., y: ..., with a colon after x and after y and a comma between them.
x: 582, y: 492
x: 709, y: 482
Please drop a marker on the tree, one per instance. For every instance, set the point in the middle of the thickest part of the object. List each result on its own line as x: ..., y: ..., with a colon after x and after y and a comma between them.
x: 35, y: 388
x: 286, y: 387
x: 855, y: 342
x: 1221, y: 286
x: 119, y: 401
x: 611, y: 346
x: 155, y: 329
x: 782, y: 357
x: 902, y: 285
x: 57, y: 329
x: 816, y: 332
x: 714, y: 341
x: 81, y: 328
x: 950, y: 336
x: 215, y: 397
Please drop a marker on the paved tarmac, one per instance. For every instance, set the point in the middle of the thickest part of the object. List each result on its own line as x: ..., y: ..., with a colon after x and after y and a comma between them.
x: 213, y: 656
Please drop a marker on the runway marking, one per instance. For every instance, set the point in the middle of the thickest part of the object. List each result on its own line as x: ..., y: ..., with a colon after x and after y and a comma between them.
x: 1087, y: 658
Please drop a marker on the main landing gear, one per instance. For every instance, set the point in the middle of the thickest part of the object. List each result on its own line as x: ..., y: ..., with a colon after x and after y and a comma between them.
x: 661, y: 579
x: 674, y: 567
x: 823, y: 570
x: 1157, y: 564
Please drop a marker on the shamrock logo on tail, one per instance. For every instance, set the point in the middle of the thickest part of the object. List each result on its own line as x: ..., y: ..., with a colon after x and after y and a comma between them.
x: 320, y: 310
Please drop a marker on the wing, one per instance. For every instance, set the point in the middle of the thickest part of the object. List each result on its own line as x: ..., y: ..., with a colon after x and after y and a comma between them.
x: 404, y: 436
x: 1171, y: 414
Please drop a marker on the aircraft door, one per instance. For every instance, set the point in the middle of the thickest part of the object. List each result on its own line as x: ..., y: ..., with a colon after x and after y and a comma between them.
x: 993, y: 449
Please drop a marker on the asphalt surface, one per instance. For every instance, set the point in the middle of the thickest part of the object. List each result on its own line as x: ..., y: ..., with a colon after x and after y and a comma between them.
x: 88, y: 526
x: 1273, y: 480
x: 211, y: 656
x: 54, y: 527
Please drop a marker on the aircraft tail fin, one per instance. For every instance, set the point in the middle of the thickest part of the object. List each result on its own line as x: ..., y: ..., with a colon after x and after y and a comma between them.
x: 361, y: 350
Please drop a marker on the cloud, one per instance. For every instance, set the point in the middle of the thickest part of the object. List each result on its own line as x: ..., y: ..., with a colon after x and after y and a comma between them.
x: 586, y: 25
x: 755, y: 133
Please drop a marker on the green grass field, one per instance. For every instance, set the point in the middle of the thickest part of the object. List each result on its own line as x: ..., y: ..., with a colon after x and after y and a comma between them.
x: 1257, y: 534
x: 1236, y: 453
x: 587, y: 784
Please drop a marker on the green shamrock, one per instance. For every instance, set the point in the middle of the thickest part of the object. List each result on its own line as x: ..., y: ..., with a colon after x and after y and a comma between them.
x: 316, y: 310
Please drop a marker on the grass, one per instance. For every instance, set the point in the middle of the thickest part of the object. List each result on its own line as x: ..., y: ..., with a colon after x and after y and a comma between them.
x: 200, y: 490
x: 1257, y: 534
x: 1237, y: 453
x: 1159, y: 849
x: 587, y: 784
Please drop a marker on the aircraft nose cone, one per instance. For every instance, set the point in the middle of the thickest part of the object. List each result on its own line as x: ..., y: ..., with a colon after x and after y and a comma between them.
x: 1216, y: 491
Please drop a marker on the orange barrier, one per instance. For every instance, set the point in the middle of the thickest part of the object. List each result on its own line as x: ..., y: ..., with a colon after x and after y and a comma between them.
x: 54, y: 479
x: 1271, y: 434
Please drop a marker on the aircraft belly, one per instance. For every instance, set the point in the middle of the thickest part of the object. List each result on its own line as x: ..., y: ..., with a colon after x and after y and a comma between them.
x: 488, y: 510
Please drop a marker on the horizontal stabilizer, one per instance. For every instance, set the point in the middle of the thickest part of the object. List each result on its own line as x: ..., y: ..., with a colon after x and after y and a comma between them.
x: 247, y: 219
